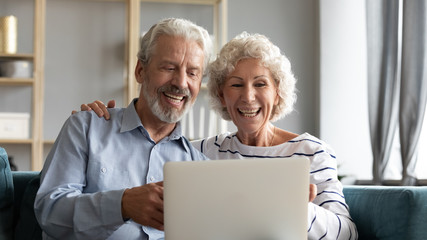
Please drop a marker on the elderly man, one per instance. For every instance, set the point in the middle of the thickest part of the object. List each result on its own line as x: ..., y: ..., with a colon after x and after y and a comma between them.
x: 102, y: 179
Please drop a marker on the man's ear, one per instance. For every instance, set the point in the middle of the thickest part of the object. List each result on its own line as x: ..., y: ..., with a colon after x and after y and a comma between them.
x: 139, y: 70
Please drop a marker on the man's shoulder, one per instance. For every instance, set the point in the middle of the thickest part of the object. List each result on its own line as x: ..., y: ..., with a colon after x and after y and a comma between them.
x: 115, y: 113
x: 89, y: 119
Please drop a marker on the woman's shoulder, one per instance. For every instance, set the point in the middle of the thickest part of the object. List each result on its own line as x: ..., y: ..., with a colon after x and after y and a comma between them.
x: 202, y: 144
x: 307, y: 140
x: 307, y: 137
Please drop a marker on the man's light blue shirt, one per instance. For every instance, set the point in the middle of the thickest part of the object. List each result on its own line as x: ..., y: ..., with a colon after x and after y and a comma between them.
x: 91, y: 164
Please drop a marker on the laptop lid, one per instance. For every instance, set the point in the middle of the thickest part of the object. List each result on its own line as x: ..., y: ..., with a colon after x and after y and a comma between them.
x: 249, y: 199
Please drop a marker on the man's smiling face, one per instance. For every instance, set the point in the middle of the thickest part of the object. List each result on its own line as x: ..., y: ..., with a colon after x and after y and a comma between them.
x: 171, y: 80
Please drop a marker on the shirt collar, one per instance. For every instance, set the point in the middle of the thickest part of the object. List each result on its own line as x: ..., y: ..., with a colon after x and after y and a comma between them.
x: 176, y: 135
x: 130, y: 118
x: 177, y: 132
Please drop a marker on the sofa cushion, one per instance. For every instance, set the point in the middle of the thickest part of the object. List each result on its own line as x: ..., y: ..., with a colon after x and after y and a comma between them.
x: 392, y: 213
x: 6, y: 197
x: 21, y: 180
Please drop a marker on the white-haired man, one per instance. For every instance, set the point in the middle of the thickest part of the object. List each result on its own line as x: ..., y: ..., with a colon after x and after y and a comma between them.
x: 103, y: 179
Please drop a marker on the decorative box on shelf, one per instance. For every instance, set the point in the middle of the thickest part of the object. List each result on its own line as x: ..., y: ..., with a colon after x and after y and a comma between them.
x: 14, y: 125
x: 15, y: 68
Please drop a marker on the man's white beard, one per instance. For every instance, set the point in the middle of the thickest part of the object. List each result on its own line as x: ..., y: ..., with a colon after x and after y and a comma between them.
x: 169, y: 115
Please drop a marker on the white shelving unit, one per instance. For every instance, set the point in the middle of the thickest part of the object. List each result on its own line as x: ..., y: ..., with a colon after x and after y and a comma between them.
x: 39, y: 144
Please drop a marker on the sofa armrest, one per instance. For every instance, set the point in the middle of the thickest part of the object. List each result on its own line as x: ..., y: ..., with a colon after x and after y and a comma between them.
x: 392, y: 213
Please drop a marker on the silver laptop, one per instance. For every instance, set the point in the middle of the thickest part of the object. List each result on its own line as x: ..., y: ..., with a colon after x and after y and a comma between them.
x: 249, y: 199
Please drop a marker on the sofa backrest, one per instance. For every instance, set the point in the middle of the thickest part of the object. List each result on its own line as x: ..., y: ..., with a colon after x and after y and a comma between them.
x: 388, y: 213
x: 6, y: 197
x: 26, y: 185
x: 17, y: 194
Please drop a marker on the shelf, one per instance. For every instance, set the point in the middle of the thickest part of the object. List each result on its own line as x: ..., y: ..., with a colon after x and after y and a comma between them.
x: 16, y: 81
x: 199, y: 2
x: 16, y: 141
x: 29, y: 75
x: 48, y: 142
x: 36, y: 81
x: 17, y: 56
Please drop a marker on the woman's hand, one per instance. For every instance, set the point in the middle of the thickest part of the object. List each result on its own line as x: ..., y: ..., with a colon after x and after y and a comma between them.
x: 98, y: 107
x: 313, y: 192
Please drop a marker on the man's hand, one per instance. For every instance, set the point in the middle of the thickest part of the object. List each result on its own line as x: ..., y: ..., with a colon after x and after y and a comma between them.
x: 144, y: 205
x: 313, y: 192
x: 98, y: 107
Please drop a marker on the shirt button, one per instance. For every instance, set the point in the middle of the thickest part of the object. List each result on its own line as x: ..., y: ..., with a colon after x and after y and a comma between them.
x: 103, y: 170
x: 152, y: 178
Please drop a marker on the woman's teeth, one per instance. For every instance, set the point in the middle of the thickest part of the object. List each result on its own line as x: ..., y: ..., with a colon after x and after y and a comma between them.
x: 249, y: 113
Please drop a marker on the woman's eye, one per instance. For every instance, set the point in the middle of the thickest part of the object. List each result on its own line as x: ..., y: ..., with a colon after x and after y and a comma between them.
x: 236, y: 85
x: 260, y: 85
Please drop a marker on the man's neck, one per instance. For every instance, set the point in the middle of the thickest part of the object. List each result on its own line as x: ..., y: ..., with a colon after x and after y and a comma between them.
x: 155, y: 127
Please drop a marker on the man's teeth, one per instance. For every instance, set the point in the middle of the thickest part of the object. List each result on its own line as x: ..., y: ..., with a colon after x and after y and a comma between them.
x: 174, y: 98
x: 249, y: 113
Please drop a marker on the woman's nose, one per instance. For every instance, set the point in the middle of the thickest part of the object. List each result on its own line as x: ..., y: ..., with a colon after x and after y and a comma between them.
x: 248, y: 94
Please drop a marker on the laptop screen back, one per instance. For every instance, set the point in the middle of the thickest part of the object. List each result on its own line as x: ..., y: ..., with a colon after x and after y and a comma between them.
x: 250, y: 199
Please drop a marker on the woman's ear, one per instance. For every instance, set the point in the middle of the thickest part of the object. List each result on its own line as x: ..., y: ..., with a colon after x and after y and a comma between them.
x: 221, y: 96
x: 277, y: 99
x: 139, y: 69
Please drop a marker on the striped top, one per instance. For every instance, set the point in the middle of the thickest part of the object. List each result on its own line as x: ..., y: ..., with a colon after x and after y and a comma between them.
x: 328, y: 214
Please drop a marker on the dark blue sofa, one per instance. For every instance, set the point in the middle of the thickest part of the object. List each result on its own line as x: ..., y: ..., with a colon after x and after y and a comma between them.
x: 392, y: 213
x: 383, y: 213
x: 17, y: 193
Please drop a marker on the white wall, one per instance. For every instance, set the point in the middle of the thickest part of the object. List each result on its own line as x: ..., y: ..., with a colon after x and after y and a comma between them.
x: 343, y: 85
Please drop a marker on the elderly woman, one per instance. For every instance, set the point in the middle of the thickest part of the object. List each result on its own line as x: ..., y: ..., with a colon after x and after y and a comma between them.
x: 251, y: 83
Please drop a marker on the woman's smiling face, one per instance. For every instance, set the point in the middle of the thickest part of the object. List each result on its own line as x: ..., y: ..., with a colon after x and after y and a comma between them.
x: 249, y: 93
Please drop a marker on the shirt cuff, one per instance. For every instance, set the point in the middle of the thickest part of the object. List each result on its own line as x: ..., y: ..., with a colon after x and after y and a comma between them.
x: 111, y: 207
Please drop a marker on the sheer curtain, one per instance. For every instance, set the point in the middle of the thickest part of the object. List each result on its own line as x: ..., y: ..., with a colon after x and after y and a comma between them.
x: 382, y: 27
x: 413, y: 93
x: 397, y: 89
